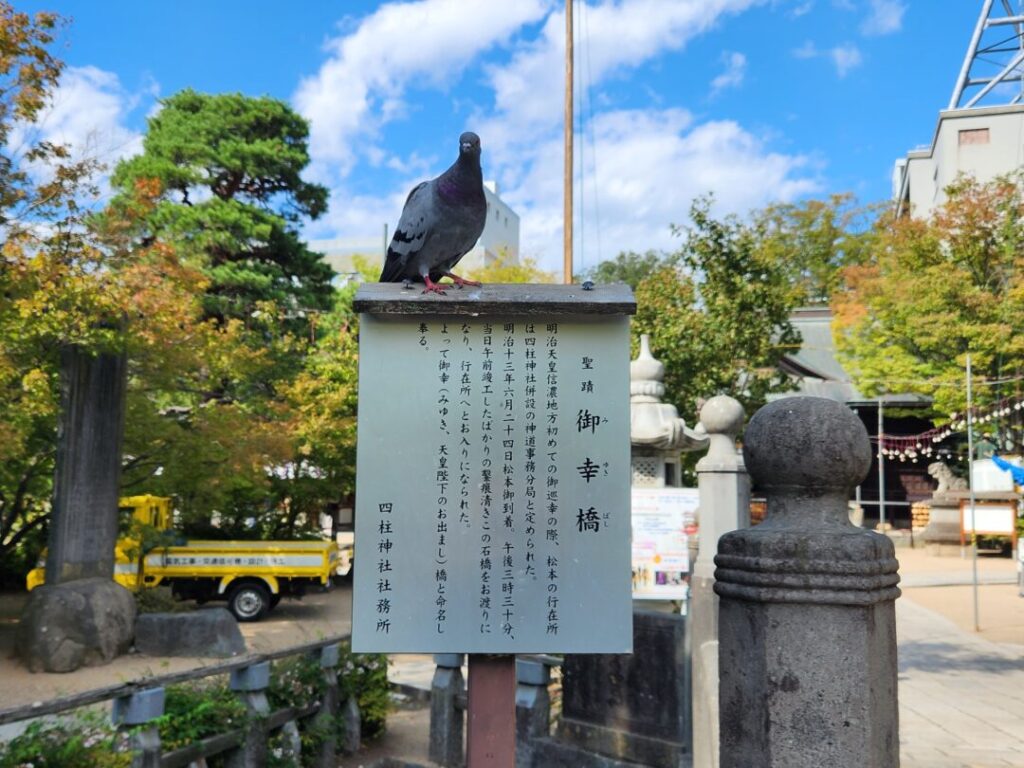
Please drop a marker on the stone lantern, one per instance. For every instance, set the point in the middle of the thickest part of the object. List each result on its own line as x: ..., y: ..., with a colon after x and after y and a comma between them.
x: 657, y: 434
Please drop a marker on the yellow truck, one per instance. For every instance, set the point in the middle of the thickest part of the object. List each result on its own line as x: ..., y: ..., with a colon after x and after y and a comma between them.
x: 252, y: 576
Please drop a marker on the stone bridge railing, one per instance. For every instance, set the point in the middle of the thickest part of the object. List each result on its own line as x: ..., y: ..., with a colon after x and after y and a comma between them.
x: 802, y: 606
x: 806, y: 615
x: 136, y: 706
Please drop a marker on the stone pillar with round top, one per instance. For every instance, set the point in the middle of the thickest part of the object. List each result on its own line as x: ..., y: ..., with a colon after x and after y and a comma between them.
x: 724, y: 506
x: 807, y: 624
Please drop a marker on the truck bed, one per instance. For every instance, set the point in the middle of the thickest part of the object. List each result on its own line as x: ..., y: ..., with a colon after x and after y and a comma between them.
x: 281, y: 559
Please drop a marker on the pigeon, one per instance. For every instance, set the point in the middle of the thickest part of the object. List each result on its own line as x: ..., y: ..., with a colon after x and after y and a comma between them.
x: 442, y: 219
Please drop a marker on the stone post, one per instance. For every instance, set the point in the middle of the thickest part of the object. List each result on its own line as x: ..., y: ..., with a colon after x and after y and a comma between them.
x: 83, y: 526
x: 352, y: 726
x: 327, y: 716
x: 807, y: 624
x: 447, y: 746
x: 81, y: 617
x: 250, y: 683
x: 724, y: 506
x: 533, y: 708
x: 141, y: 708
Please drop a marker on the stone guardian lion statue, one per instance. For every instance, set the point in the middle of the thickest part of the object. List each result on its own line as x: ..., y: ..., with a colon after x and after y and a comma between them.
x: 947, y: 480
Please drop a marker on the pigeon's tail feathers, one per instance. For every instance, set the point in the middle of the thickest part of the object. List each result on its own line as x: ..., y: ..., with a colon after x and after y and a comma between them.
x: 394, y: 267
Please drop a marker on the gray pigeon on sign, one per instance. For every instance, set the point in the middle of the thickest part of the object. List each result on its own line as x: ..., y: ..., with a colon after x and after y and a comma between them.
x: 441, y: 221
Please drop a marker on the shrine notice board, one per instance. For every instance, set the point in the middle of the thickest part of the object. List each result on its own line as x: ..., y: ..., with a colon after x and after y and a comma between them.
x: 663, y: 521
x: 493, y: 470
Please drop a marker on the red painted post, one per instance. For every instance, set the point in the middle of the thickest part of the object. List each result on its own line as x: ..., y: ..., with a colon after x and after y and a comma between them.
x: 491, y: 726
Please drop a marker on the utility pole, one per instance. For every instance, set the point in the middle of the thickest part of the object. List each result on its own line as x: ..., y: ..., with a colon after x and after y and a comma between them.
x: 567, y: 181
x: 881, y: 467
x: 970, y: 488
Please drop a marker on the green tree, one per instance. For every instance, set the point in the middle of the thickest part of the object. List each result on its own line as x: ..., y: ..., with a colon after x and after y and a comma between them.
x: 934, y: 290
x: 815, y: 241
x: 628, y: 267
x: 324, y: 399
x: 717, y: 313
x: 232, y: 196
x: 216, y: 432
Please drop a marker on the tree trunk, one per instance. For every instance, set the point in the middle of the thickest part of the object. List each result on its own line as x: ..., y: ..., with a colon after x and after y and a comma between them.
x: 83, y: 526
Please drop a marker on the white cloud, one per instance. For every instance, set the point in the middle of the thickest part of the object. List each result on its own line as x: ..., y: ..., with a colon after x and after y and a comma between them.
x: 650, y: 165
x: 619, y: 35
x: 421, y: 44
x: 885, y: 17
x: 845, y: 57
x: 806, y: 51
x: 732, y: 77
x: 802, y: 9
x: 87, y: 112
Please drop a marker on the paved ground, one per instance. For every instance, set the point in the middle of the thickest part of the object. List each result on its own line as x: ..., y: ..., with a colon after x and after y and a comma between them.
x: 961, y: 692
x: 961, y: 697
x: 293, y: 622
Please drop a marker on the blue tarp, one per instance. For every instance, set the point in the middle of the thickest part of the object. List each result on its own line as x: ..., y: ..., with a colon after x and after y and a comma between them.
x: 1013, y: 469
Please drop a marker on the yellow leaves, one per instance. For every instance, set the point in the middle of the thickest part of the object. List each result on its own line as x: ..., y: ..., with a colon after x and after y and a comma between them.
x: 503, y: 270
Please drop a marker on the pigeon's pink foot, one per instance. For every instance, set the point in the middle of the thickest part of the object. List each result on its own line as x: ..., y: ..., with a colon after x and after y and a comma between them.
x: 433, y: 287
x: 461, y: 281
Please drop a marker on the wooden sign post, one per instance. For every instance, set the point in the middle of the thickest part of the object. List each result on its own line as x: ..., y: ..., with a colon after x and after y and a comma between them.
x: 493, y: 482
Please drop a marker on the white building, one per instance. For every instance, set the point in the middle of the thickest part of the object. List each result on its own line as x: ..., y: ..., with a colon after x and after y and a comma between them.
x: 981, y: 132
x: 500, y: 239
x: 984, y: 142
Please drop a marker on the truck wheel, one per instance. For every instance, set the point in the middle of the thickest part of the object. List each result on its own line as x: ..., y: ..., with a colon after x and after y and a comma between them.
x: 249, y: 601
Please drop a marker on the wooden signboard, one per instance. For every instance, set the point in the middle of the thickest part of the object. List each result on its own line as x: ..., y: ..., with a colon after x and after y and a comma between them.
x: 990, y: 518
x: 493, y: 470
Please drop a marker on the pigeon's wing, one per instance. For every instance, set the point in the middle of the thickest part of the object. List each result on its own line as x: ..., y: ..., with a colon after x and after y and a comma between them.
x: 413, y: 226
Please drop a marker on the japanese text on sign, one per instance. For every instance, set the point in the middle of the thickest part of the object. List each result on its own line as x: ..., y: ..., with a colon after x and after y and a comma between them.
x: 493, y: 480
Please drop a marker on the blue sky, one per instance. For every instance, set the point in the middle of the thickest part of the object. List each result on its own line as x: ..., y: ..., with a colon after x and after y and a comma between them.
x: 756, y: 101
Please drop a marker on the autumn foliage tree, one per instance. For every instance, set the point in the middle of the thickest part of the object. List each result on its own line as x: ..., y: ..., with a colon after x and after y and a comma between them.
x: 42, y: 267
x: 935, y: 289
x: 194, y: 268
x: 67, y: 277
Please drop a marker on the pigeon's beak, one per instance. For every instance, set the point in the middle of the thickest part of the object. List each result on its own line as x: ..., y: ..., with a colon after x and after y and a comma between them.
x: 466, y: 146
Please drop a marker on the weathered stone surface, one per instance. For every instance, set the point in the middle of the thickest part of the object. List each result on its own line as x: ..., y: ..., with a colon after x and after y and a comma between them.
x: 447, y: 721
x: 632, y: 706
x: 209, y: 632
x: 552, y: 753
x: 724, y: 506
x: 943, y: 523
x: 75, y: 624
x: 807, y: 628
x: 83, y: 524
